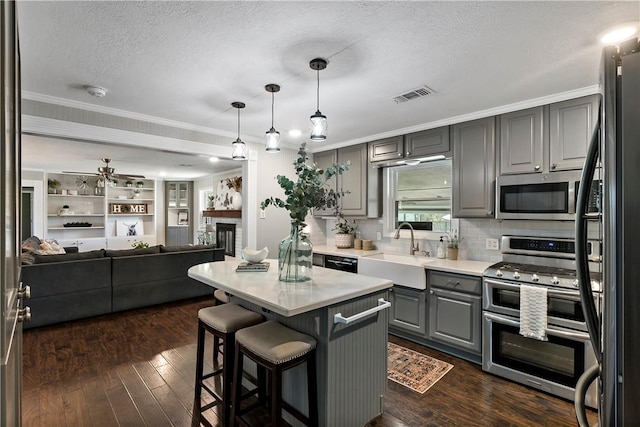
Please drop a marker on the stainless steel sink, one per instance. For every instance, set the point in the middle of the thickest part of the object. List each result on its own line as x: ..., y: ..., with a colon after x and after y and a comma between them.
x: 403, y: 270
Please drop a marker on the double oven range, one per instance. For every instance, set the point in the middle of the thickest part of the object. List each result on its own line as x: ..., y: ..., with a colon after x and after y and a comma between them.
x: 553, y: 366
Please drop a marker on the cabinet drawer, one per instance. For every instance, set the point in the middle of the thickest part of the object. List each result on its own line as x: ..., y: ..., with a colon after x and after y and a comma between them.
x: 458, y: 282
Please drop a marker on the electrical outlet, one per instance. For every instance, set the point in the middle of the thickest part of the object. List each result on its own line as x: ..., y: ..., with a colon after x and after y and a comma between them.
x: 378, y: 235
x: 263, y: 214
x: 492, y: 244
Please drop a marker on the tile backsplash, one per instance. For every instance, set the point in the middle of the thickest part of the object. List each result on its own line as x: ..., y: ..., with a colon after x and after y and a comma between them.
x: 474, y: 232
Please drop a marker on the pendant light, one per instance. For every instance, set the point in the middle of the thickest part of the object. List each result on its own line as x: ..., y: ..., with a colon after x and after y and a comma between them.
x: 318, y: 122
x: 238, y: 148
x: 272, y: 137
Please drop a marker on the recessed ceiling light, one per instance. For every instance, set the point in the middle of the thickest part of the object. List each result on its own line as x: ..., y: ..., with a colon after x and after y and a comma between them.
x: 295, y: 133
x: 619, y: 34
x: 162, y: 173
x: 213, y: 159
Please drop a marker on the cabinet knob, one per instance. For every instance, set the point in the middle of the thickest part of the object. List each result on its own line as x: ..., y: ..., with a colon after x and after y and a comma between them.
x: 399, y: 154
x: 24, y: 314
x: 537, y: 167
x: 24, y: 292
x: 430, y: 292
x: 408, y: 153
x: 553, y: 166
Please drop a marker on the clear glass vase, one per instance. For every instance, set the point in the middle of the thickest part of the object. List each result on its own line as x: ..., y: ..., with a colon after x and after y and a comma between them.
x: 295, y: 256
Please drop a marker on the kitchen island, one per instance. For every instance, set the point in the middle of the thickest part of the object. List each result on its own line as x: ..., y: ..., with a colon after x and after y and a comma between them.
x: 346, y: 313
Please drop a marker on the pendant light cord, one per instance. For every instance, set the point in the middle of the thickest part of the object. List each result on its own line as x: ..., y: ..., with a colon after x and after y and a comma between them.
x: 238, y: 123
x: 318, y: 91
x: 271, y: 110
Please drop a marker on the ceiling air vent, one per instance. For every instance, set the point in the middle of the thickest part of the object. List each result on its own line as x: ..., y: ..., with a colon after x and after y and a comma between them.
x: 413, y: 94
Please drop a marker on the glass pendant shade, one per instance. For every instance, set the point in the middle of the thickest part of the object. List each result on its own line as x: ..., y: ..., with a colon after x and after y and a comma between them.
x: 238, y: 150
x: 272, y: 136
x: 272, y: 139
x: 318, y: 122
x: 318, y: 127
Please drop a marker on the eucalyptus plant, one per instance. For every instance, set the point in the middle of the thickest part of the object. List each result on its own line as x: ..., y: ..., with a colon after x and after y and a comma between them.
x: 310, y: 191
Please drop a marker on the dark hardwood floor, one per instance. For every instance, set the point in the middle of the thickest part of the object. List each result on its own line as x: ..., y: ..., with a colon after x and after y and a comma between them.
x: 137, y: 368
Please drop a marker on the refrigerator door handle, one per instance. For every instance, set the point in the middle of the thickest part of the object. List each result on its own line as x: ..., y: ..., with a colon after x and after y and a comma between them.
x: 582, y: 262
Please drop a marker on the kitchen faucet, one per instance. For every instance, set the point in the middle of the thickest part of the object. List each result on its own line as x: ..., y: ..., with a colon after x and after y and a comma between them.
x: 414, y: 247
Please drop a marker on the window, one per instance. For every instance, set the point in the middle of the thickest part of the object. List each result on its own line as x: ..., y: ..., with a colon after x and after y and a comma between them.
x: 421, y: 196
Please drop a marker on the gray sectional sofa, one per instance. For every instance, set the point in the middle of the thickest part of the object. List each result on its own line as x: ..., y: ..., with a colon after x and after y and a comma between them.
x: 74, y: 286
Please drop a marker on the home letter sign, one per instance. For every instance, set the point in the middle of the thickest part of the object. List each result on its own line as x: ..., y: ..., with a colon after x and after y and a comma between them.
x: 127, y: 208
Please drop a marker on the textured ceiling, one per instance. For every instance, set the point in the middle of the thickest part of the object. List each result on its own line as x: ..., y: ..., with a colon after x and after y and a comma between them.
x: 187, y: 61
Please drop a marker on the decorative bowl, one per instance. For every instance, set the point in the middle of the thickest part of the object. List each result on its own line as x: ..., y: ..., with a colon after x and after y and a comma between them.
x: 253, y: 256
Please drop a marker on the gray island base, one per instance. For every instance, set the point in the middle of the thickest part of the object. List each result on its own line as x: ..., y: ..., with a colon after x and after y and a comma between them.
x: 346, y: 313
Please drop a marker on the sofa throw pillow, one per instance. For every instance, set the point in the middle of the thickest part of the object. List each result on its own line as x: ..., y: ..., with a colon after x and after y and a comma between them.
x: 50, y: 247
x: 129, y: 252
x: 31, y: 244
x: 43, y: 259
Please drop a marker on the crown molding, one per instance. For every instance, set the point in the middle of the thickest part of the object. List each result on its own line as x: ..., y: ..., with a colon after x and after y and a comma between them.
x: 33, y: 96
x: 522, y: 105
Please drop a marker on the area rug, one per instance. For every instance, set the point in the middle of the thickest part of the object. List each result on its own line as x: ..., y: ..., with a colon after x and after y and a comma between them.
x: 414, y: 370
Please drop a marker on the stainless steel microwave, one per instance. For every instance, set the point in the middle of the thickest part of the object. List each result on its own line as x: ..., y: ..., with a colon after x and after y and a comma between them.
x: 542, y: 196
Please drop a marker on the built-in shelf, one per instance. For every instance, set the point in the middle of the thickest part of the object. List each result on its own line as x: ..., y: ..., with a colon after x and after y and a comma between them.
x: 93, y: 227
x: 70, y: 215
x: 213, y: 213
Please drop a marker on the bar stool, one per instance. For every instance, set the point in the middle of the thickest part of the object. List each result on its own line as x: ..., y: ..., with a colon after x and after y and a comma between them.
x: 222, y: 321
x: 219, y: 297
x: 275, y: 348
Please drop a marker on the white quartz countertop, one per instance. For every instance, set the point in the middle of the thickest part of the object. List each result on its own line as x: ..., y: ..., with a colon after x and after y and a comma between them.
x: 461, y: 266
x: 327, y: 287
x: 353, y: 253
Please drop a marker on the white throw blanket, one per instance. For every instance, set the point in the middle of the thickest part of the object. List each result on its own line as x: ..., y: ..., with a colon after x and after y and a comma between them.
x: 533, y: 312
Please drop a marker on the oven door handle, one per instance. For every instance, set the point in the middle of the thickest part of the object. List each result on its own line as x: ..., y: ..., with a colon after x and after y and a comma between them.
x: 571, y: 295
x: 571, y: 335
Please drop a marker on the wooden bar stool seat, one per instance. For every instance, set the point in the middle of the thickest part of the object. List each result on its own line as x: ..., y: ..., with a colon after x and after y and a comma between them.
x: 275, y: 348
x: 222, y: 321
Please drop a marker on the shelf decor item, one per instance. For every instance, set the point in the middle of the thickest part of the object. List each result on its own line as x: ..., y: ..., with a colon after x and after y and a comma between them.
x: 310, y: 191
x: 128, y: 183
x: 53, y: 185
x: 140, y: 184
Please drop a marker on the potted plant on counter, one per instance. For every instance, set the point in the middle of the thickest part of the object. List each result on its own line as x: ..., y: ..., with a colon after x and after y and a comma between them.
x: 310, y: 191
x: 453, y: 243
x: 344, y: 232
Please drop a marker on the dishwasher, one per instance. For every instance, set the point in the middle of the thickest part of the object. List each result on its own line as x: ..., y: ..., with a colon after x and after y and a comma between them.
x: 350, y: 265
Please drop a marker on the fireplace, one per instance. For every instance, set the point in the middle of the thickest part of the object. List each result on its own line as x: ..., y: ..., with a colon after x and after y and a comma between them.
x: 226, y: 238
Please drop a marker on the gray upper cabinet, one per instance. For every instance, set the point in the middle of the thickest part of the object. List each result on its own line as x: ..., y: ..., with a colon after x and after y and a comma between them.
x: 571, y: 126
x: 521, y: 141
x: 364, y: 183
x: 474, y: 168
x: 354, y: 180
x: 386, y: 149
x: 427, y: 143
x: 323, y: 160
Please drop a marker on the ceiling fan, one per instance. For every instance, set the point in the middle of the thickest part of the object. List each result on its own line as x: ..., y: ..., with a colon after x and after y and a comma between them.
x: 107, y: 172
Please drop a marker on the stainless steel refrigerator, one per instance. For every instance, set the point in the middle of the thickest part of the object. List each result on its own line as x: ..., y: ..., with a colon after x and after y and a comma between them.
x: 613, y: 163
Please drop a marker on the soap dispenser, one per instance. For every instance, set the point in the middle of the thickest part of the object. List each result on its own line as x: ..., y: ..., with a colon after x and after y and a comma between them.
x: 441, y: 248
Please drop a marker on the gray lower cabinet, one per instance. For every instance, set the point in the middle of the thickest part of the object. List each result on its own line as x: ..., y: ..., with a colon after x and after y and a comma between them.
x: 474, y: 176
x: 177, y: 236
x: 408, y: 310
x: 455, y: 310
x: 455, y: 319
